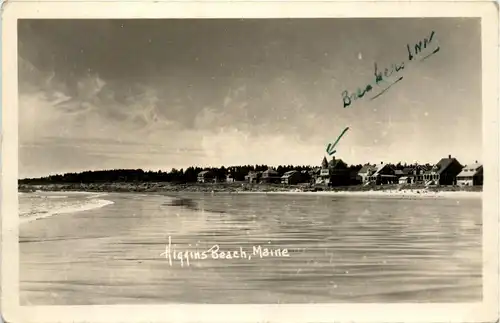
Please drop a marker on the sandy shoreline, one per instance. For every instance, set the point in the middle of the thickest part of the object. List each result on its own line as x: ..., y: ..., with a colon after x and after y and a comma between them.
x: 246, y: 188
x: 385, y: 193
x: 406, y: 193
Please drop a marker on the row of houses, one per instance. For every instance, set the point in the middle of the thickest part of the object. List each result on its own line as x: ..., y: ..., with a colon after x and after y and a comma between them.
x: 270, y: 176
x: 292, y: 177
x: 448, y: 171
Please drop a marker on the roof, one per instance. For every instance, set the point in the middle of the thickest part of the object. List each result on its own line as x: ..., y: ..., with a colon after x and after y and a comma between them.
x: 399, y: 172
x: 315, y: 170
x: 290, y: 172
x: 379, y: 168
x: 334, y: 163
x: 270, y: 171
x: 324, y: 163
x: 470, y: 170
x: 443, y: 164
x: 203, y: 173
x: 407, y: 170
x: 365, y: 169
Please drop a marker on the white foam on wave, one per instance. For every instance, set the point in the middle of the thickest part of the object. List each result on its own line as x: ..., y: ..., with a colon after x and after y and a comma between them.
x: 93, y: 194
x: 41, y: 211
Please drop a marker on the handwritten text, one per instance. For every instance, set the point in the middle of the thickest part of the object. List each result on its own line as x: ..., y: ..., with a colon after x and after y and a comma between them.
x: 184, y: 258
x: 385, y: 77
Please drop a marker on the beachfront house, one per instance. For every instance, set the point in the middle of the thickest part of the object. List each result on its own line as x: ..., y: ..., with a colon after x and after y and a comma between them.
x: 444, y: 172
x: 270, y: 176
x: 354, y: 179
x: 292, y: 177
x: 314, y: 174
x: 253, y: 177
x: 418, y: 172
x: 333, y: 173
x: 366, y: 171
x: 407, y: 179
x: 410, y: 175
x: 323, y: 173
x: 305, y: 176
x: 399, y: 173
x: 384, y: 174
x: 471, y: 175
x: 206, y: 177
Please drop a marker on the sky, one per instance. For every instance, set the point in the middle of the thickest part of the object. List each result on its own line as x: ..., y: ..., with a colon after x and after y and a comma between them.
x: 162, y: 94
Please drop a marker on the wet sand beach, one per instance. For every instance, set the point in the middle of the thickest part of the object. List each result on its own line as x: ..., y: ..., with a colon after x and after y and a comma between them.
x: 341, y: 249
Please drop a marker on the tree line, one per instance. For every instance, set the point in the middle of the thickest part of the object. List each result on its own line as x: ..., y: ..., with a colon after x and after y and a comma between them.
x: 188, y: 175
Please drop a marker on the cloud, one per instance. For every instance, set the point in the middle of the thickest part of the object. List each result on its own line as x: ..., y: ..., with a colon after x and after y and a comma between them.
x: 98, y: 94
x: 101, y: 124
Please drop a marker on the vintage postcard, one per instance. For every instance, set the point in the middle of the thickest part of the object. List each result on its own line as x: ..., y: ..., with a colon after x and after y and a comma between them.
x: 250, y: 162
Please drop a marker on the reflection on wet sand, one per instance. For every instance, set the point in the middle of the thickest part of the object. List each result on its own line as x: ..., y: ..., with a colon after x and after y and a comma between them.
x: 342, y: 249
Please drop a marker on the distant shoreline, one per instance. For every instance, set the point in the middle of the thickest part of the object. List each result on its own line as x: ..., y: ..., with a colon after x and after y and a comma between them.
x: 354, y: 190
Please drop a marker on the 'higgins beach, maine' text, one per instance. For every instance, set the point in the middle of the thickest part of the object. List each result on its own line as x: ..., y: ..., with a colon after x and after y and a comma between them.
x: 184, y: 258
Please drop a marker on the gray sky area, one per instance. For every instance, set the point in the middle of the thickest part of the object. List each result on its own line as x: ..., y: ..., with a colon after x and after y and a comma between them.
x: 158, y: 94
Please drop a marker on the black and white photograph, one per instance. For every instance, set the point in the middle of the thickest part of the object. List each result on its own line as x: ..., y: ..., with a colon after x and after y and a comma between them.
x: 251, y: 161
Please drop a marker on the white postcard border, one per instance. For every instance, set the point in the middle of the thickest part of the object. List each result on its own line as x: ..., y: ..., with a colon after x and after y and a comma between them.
x: 466, y: 312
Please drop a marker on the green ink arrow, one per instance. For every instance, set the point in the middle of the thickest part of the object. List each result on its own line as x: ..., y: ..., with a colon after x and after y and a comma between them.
x: 329, y: 148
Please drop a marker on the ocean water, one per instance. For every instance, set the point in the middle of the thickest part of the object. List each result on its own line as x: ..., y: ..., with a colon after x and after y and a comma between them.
x: 34, y: 206
x: 113, y: 249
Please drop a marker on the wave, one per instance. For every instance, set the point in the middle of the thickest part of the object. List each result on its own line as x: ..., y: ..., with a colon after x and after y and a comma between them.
x: 35, y: 207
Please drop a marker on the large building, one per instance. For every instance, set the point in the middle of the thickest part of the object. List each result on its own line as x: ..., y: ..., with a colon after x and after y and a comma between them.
x: 471, y: 175
x: 270, y: 176
x: 444, y: 172
x: 206, y: 177
x: 292, y: 177
x: 253, y: 177
x: 333, y: 173
x: 365, y: 172
x: 384, y: 174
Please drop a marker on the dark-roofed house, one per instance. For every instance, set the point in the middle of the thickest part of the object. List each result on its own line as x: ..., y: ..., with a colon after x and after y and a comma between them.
x: 418, y: 172
x: 444, y: 172
x: 324, y: 163
x: 205, y: 177
x: 384, y: 174
x: 471, y: 175
x: 399, y: 173
x: 354, y: 178
x: 253, y: 177
x: 334, y: 173
x: 411, y: 175
x: 270, y: 176
x: 408, y: 171
x: 365, y: 172
x: 292, y: 177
